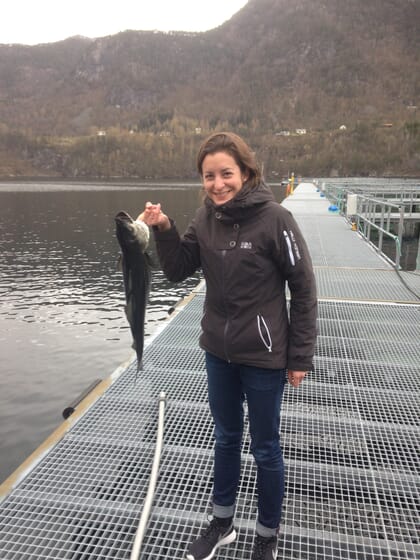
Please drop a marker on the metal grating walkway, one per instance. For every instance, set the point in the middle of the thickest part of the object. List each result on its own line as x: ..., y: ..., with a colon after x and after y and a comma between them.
x: 350, y: 437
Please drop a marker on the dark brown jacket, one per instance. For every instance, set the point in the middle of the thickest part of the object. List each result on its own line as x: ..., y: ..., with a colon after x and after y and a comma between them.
x: 248, y: 249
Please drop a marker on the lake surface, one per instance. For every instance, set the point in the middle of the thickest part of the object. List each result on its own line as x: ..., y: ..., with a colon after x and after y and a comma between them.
x: 62, y: 322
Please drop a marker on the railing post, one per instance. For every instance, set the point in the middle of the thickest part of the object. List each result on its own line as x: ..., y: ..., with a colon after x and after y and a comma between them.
x: 370, y: 214
x: 418, y: 254
x: 400, y: 236
x: 381, y: 232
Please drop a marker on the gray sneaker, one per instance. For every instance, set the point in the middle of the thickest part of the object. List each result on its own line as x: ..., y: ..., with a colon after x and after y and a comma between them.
x: 218, y: 533
x: 265, y: 548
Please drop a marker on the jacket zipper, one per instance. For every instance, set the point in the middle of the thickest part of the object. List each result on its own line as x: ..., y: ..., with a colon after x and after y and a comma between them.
x: 265, y: 339
x: 226, y: 328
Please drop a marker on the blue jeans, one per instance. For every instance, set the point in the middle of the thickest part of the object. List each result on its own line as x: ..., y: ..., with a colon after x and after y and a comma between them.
x: 228, y: 385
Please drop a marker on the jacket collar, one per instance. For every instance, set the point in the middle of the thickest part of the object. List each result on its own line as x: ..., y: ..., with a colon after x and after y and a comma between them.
x: 241, y: 205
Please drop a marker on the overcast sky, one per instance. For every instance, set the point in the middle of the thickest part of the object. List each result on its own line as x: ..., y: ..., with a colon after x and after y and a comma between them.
x: 43, y: 21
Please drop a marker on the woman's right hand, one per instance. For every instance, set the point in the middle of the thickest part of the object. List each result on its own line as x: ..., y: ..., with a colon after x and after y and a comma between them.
x: 152, y: 215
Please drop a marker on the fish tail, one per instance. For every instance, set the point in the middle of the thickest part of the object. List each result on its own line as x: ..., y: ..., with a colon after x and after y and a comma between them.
x: 138, y: 368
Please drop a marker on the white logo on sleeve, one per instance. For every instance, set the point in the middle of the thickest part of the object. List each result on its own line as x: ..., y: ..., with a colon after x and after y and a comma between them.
x: 291, y: 241
x: 295, y: 246
x: 289, y: 248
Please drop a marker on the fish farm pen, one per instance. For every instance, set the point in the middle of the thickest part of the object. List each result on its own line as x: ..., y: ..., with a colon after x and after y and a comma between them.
x: 350, y: 432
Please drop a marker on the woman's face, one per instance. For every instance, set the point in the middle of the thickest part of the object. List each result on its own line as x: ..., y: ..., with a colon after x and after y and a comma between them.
x: 222, y: 177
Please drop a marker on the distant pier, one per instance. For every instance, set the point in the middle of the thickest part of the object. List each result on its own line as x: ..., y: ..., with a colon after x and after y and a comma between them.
x: 350, y: 433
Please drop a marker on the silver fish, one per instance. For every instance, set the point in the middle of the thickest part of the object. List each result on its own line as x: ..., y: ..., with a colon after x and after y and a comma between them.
x: 133, y: 238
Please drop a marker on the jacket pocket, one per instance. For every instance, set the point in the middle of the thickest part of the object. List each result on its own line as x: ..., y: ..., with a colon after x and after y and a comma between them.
x: 264, y: 332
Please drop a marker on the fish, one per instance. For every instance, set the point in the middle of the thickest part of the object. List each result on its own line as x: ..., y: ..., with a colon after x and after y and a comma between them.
x: 133, y: 237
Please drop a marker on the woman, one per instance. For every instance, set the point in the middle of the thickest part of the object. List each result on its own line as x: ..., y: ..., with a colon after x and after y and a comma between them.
x: 248, y: 247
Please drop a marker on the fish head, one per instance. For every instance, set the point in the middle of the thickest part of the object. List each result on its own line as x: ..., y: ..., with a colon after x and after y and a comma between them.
x: 132, y: 231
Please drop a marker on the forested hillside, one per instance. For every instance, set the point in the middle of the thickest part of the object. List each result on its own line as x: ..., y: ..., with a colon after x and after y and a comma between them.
x: 319, y: 87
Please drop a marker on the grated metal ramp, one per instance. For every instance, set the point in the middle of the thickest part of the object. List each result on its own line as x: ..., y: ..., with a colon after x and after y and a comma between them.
x: 346, y: 267
x: 365, y: 284
x: 350, y: 436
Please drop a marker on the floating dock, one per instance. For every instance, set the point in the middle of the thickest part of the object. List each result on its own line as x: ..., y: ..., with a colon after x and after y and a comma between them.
x: 350, y: 433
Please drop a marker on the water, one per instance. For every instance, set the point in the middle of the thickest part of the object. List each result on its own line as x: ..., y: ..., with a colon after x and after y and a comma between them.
x: 62, y: 323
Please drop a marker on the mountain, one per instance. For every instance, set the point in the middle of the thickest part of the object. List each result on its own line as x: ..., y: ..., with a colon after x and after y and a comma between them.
x: 276, y: 66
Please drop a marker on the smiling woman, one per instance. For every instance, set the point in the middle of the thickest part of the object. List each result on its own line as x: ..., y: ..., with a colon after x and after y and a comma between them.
x: 47, y: 21
x: 225, y: 164
x: 222, y: 177
x: 238, y: 238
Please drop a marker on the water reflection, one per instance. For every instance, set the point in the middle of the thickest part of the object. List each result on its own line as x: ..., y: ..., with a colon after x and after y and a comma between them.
x: 62, y: 323
x: 60, y: 252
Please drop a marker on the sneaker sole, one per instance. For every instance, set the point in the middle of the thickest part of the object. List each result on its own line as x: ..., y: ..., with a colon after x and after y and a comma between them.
x: 226, y: 540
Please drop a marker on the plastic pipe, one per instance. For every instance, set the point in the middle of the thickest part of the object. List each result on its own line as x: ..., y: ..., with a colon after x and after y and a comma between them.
x: 68, y: 411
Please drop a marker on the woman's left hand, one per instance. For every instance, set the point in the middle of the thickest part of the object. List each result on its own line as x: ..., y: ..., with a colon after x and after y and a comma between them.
x: 296, y: 377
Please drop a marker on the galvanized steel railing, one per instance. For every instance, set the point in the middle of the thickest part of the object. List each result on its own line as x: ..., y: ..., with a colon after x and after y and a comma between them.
x: 380, y: 216
x: 380, y: 211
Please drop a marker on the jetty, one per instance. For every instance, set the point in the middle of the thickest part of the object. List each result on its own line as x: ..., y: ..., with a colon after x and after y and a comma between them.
x: 350, y: 433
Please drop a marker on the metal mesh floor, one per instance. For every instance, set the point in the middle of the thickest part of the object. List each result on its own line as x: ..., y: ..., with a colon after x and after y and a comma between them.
x: 365, y: 284
x: 350, y: 436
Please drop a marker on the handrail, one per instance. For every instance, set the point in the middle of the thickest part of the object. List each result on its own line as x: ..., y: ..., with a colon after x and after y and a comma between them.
x: 374, y: 205
x: 382, y: 232
x: 403, y: 194
x: 367, y: 214
x: 135, y: 553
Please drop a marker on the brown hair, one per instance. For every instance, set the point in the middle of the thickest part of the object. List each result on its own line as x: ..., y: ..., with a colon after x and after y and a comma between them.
x: 237, y: 148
